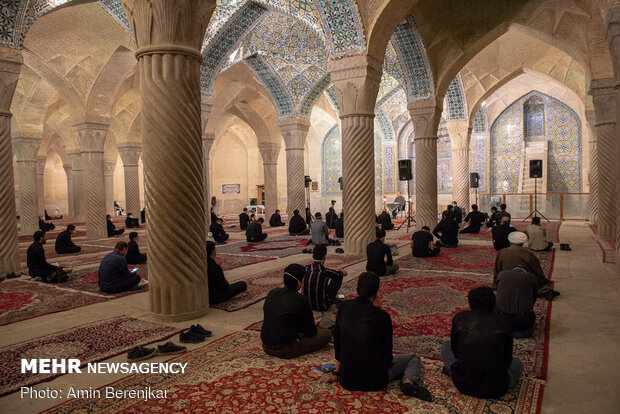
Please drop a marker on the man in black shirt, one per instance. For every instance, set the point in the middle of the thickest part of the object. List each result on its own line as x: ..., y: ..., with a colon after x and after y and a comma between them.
x: 219, y: 288
x: 217, y: 230
x: 516, y: 294
x: 297, y: 225
x: 500, y: 234
x: 375, y: 254
x: 244, y: 219
x: 276, y: 220
x: 64, y: 244
x: 112, y: 228
x: 475, y: 220
x: 133, y: 255
x: 458, y: 212
x: 114, y: 275
x: 340, y: 226
x: 502, y: 213
x: 447, y: 230
x: 38, y: 266
x: 43, y: 226
x: 422, y: 244
x: 288, y: 328
x: 385, y: 221
x: 131, y: 222
x: 493, y: 219
x: 478, y: 356
x: 254, y: 232
x: 363, y: 347
x: 330, y: 218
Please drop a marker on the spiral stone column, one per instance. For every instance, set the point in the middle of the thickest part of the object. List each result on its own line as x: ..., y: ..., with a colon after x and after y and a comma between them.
x: 425, y: 117
x: 10, y: 63
x: 460, y: 133
x: 294, y: 132
x: 26, y: 149
x: 206, y: 106
x: 78, y: 188
x: 604, y: 98
x: 91, y: 138
x: 108, y: 183
x: 41, y: 161
x: 269, y: 151
x: 592, y: 176
x: 130, y: 154
x: 169, y: 35
x: 613, y: 37
x: 356, y: 82
x: 69, y: 174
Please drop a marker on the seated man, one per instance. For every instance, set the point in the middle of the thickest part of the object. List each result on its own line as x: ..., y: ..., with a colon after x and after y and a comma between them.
x: 376, y: 253
x: 321, y: 284
x: 516, y: 295
x: 320, y: 231
x: 493, y: 219
x: 64, y: 244
x: 517, y: 256
x: 502, y: 213
x: 244, y: 219
x: 131, y: 222
x: 217, y: 230
x: 500, y: 234
x: 38, y: 266
x: 214, y: 216
x: 422, y: 244
x: 219, y: 288
x: 143, y: 215
x: 112, y: 228
x: 330, y: 218
x: 114, y: 275
x: 45, y: 227
x: 297, y: 225
x: 363, y: 347
x: 133, y: 255
x: 537, y: 236
x: 276, y: 220
x: 475, y: 220
x: 340, y: 226
x: 288, y: 328
x: 478, y: 356
x: 385, y: 221
x: 48, y: 217
x: 402, y: 203
x: 447, y: 230
x: 254, y: 232
x: 458, y: 212
x: 118, y: 210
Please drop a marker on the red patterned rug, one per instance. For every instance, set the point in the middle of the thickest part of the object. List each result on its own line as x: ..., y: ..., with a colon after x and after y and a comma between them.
x: 553, y: 228
x: 278, y: 246
x: 475, y: 259
x: 52, y: 256
x: 51, y: 235
x: 234, y: 375
x: 260, y: 284
x: 21, y: 299
x: 89, y: 343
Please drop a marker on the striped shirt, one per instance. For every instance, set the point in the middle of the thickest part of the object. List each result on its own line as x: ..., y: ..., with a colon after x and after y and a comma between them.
x: 315, y: 285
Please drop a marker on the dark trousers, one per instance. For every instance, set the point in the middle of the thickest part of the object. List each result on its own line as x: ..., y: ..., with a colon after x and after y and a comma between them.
x: 387, y: 226
x: 302, y: 233
x: 47, y: 227
x: 116, y: 232
x: 233, y: 290
x: 470, y: 229
x: 68, y: 250
x: 134, y: 222
x: 431, y: 253
x: 140, y: 258
x: 221, y: 237
x: 300, y: 346
x: 258, y: 239
x: 124, y: 285
x: 332, y: 289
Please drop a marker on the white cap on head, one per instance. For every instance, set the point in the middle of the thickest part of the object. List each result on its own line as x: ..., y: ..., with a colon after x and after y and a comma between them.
x: 517, y: 237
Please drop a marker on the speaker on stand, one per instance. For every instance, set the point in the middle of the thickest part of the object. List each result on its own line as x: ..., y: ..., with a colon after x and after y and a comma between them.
x: 536, y: 172
x: 406, y: 174
x: 474, y: 182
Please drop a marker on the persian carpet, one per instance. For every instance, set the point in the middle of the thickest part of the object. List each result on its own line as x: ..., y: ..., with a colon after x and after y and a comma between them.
x: 89, y: 343
x: 86, y: 281
x: 52, y: 256
x: 231, y: 261
x: 51, y: 235
x: 234, y: 375
x: 278, y: 246
x: 21, y: 299
x: 261, y: 283
x: 553, y: 228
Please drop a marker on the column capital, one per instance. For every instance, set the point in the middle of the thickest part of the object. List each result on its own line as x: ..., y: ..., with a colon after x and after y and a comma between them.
x: 11, y: 61
x: 91, y: 136
x: 108, y: 168
x: 604, y: 99
x: 269, y: 151
x: 41, y: 161
x: 67, y: 168
x: 356, y: 80
x: 130, y: 153
x: 294, y: 132
x: 26, y: 148
x: 425, y: 117
x: 459, y: 132
x: 209, y: 138
x: 75, y: 158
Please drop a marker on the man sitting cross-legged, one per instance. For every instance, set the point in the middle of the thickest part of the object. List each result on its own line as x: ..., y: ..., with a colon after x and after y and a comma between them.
x: 131, y: 222
x: 254, y: 232
x: 537, y: 236
x: 297, y: 225
x: 64, y: 244
x: 217, y: 230
x: 114, y: 274
x: 112, y: 228
x: 276, y: 219
x: 320, y: 283
x: 376, y: 253
x: 363, y: 347
x: 219, y: 288
x: 43, y: 226
x: 422, y: 244
x: 478, y: 355
x: 37, y: 264
x: 133, y: 250
x: 475, y: 220
x: 500, y: 233
x: 288, y: 329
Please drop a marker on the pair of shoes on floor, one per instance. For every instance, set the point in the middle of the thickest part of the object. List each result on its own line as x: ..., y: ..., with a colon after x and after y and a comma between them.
x: 195, y: 334
x: 415, y: 390
x: 340, y: 250
x: 551, y: 294
x: 12, y: 275
x: 306, y: 251
x: 565, y: 246
x: 140, y: 353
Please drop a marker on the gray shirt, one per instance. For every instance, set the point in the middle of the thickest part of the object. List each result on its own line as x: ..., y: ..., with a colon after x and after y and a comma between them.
x: 536, y: 237
x: 320, y: 232
x: 516, y: 291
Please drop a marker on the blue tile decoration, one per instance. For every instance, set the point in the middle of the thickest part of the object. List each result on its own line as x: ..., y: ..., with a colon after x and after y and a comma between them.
x: 389, y: 170
x: 480, y: 121
x: 11, y: 20
x: 480, y: 161
x: 331, y: 162
x: 444, y: 174
x: 282, y: 100
x: 384, y: 125
x: 534, y: 117
x: 387, y: 87
x: 115, y: 8
x: 506, y: 137
x: 378, y: 164
x: 565, y: 151
x: 308, y: 101
x: 331, y: 95
x: 392, y: 65
x: 342, y: 26
x: 410, y: 52
x: 455, y: 100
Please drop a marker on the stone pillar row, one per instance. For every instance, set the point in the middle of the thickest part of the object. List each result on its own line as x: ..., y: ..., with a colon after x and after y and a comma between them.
x: 78, y: 195
x: 169, y: 36
x: 130, y: 154
x: 593, y: 175
x: 41, y: 161
x: 269, y: 151
x: 460, y: 134
x: 294, y: 131
x: 613, y: 37
x: 206, y: 106
x: 108, y: 180
x: 26, y: 149
x: 69, y: 174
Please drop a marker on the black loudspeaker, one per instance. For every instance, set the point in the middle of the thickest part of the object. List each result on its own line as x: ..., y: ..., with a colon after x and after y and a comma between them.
x: 474, y: 180
x: 213, y: 201
x: 307, y: 181
x: 253, y: 201
x: 340, y: 182
x: 404, y: 170
x: 536, y: 169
